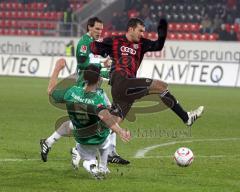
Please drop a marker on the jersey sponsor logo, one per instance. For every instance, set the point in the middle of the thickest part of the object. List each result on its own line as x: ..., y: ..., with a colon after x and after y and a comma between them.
x: 135, y: 46
x: 82, y: 100
x: 125, y: 49
x: 83, y: 49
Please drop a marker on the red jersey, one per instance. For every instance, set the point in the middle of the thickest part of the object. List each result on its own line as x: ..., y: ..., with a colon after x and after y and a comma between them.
x: 127, y: 56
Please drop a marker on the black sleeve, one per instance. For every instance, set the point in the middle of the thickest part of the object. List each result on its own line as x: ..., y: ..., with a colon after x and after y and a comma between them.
x: 149, y: 45
x: 103, y: 48
x: 157, y: 45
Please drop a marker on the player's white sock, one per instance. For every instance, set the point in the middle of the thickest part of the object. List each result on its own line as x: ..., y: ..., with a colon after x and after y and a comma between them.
x: 103, y: 160
x: 65, y: 129
x: 53, y: 138
x: 112, y: 147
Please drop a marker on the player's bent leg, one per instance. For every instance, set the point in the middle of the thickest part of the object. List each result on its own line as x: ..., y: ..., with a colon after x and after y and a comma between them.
x: 88, y: 154
x: 112, y: 147
x: 170, y: 101
x: 157, y: 87
x: 113, y: 156
x: 103, y: 152
x: 65, y: 129
x: 103, y: 169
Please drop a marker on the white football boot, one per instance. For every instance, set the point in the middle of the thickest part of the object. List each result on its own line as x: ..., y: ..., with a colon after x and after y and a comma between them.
x: 75, y: 158
x: 92, y: 168
x: 194, y: 115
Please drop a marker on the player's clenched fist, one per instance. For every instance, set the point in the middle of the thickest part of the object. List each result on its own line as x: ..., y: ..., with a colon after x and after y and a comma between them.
x: 162, y: 28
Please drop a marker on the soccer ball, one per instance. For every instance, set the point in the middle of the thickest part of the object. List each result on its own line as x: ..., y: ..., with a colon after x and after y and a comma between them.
x: 183, y: 157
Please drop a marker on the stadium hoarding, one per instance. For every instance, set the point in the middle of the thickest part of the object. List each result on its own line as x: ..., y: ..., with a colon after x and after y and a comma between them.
x: 180, y: 62
x: 45, y: 46
x: 238, y: 78
x: 172, y: 72
x: 210, y: 51
x: 68, y: 70
x: 33, y: 66
x: 203, y: 51
x: 176, y: 72
x: 19, y: 65
x: 189, y: 72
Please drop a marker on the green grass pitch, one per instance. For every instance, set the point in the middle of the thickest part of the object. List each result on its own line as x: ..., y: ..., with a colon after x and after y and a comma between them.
x: 26, y: 116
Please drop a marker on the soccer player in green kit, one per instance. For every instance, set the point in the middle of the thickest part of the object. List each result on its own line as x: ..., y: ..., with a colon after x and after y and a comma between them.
x: 83, y: 53
x: 91, y: 120
x: 84, y: 58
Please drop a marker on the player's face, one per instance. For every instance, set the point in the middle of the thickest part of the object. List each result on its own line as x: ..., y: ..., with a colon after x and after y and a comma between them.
x: 137, y: 33
x: 96, y: 30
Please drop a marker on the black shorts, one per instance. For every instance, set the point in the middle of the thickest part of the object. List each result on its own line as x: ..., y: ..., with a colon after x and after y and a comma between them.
x: 125, y: 91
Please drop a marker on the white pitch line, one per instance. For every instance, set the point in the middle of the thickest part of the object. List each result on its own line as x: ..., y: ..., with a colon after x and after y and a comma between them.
x: 9, y: 160
x: 141, y: 153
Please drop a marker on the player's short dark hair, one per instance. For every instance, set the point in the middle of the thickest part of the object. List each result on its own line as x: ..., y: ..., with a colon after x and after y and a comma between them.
x: 91, y: 22
x: 91, y: 74
x: 133, y: 22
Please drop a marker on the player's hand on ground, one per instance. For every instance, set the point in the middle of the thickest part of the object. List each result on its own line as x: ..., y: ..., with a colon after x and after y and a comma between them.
x: 125, y: 135
x: 162, y: 28
x: 61, y: 63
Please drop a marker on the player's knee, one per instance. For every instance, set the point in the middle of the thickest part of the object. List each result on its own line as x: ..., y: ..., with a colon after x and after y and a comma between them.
x: 161, y: 85
x: 165, y: 85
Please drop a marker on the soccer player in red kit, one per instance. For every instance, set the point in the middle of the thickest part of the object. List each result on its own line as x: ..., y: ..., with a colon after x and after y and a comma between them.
x: 127, y: 52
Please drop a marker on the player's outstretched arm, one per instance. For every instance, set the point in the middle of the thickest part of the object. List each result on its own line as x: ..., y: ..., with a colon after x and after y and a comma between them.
x: 108, y: 119
x: 157, y: 45
x: 60, y: 64
x: 162, y: 29
x: 162, y: 32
